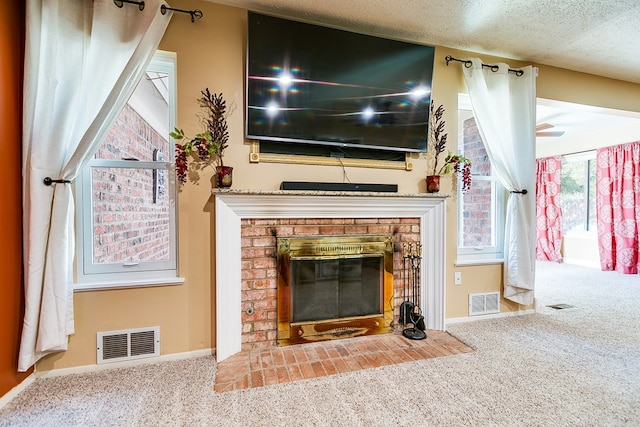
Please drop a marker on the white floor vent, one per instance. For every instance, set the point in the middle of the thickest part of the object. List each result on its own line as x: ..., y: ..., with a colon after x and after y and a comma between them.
x: 128, y: 344
x: 485, y: 303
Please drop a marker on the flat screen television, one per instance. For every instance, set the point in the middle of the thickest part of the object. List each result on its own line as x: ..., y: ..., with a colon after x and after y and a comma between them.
x: 311, y: 84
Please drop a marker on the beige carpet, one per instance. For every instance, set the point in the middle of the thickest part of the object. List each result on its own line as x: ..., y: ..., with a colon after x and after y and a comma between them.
x: 574, y: 367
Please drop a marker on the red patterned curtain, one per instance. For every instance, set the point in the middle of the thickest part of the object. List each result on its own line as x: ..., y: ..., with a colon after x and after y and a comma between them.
x: 618, y: 206
x: 548, y: 213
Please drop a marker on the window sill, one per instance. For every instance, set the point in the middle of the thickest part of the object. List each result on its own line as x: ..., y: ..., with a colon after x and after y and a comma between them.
x: 471, y: 262
x: 128, y: 284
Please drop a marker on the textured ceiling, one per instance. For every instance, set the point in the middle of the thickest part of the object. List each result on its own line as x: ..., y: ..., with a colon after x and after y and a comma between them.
x: 599, y: 37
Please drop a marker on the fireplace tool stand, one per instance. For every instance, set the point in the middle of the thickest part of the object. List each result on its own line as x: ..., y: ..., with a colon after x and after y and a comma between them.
x: 410, y: 312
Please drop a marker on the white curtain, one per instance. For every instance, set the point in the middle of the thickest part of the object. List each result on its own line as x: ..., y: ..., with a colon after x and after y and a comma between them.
x: 83, y: 60
x: 504, y: 105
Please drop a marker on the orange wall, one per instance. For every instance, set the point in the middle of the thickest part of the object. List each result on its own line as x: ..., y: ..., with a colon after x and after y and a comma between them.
x: 11, y: 296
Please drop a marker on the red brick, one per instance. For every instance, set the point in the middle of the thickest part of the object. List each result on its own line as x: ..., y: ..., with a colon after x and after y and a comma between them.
x: 305, y: 230
x: 321, y: 352
x: 252, y: 231
x: 223, y: 387
x: 272, y: 335
x: 355, y: 229
x: 283, y: 374
x: 283, y: 231
x: 265, y: 304
x: 343, y: 221
x: 250, y: 253
x: 329, y: 367
x: 256, y: 379
x: 265, y: 221
x: 254, y: 295
x: 352, y: 364
x: 261, y: 284
x: 282, y: 364
x: 263, y: 326
x: 288, y: 356
x: 332, y: 230
x: 307, y: 370
x: 256, y: 316
x: 295, y: 373
x: 264, y: 263
x: 365, y: 221
x: 316, y: 221
x: 254, y: 274
x: 254, y: 337
x: 379, y: 229
x: 270, y: 376
x: 264, y: 241
x: 341, y: 366
x: 318, y: 369
x: 241, y: 383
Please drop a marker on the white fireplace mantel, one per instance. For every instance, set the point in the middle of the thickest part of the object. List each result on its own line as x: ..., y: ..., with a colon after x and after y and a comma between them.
x: 232, y: 205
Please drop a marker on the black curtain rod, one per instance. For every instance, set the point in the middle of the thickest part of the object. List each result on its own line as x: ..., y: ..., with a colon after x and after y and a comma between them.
x: 121, y: 3
x: 196, y: 13
x: 467, y: 63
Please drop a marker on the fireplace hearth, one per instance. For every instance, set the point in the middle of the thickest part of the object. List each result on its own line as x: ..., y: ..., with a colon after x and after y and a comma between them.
x: 334, y: 287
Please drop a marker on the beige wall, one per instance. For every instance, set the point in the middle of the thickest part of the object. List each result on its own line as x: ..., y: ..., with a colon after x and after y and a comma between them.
x: 211, y: 54
x: 581, y: 248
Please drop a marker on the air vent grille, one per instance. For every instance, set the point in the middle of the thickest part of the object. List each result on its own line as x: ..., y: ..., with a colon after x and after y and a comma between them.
x: 142, y: 343
x: 114, y: 346
x: 484, y: 303
x: 129, y: 344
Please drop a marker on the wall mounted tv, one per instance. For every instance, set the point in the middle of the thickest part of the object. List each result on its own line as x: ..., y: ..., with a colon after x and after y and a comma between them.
x: 317, y: 85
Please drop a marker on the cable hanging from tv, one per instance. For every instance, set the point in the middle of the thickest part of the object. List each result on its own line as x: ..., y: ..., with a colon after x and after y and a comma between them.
x: 467, y: 63
x: 195, y: 13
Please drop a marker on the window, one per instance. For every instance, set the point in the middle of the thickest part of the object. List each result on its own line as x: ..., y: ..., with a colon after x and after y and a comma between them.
x: 577, y: 192
x: 126, y: 219
x: 481, y: 209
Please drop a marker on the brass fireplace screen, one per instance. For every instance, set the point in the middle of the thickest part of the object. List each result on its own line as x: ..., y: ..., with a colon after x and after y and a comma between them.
x: 333, y: 287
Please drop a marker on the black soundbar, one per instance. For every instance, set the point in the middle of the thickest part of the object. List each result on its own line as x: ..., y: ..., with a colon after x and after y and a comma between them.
x: 338, y: 186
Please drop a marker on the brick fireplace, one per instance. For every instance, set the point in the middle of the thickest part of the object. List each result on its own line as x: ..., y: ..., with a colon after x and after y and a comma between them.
x: 263, y: 318
x: 248, y: 223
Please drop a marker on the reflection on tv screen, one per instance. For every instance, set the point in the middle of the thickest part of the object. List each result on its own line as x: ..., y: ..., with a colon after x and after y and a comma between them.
x: 319, y: 85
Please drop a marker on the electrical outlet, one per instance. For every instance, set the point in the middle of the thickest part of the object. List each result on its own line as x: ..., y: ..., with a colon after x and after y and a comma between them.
x: 457, y: 278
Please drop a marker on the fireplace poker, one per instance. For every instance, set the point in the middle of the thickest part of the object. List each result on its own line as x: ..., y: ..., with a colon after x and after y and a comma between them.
x: 412, y: 257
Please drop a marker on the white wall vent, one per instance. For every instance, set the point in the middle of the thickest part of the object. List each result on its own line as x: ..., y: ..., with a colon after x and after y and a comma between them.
x: 128, y: 344
x: 485, y: 303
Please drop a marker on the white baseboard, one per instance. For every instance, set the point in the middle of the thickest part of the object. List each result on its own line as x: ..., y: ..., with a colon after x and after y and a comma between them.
x: 11, y: 394
x: 148, y: 361
x: 582, y: 262
x: 487, y: 316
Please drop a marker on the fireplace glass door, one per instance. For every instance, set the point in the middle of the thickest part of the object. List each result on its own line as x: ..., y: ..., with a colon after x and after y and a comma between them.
x: 334, y: 287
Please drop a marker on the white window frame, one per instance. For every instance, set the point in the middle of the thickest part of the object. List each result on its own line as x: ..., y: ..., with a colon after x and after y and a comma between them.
x: 482, y: 254
x: 89, y: 275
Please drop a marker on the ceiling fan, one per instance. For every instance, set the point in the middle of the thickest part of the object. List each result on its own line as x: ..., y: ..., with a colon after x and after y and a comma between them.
x: 543, y: 126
